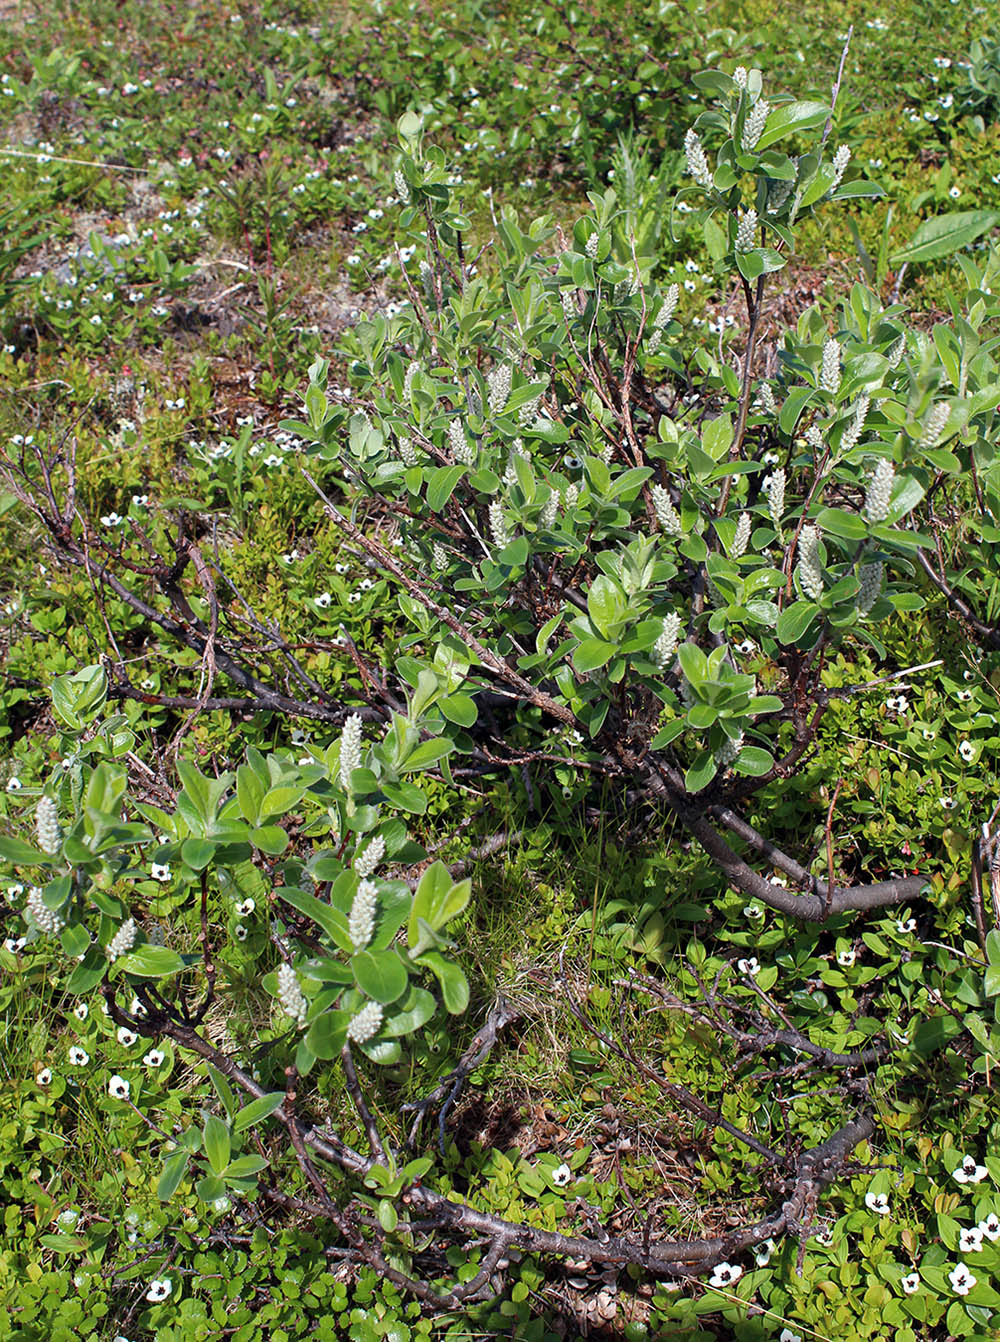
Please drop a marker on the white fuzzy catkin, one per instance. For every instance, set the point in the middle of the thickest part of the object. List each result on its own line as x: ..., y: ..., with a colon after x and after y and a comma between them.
x: 550, y: 511
x: 810, y: 568
x: 439, y: 556
x: 829, y: 374
x: 853, y: 432
x: 746, y: 231
x: 774, y: 492
x: 122, y: 941
x: 741, y: 537
x: 350, y: 750
x: 896, y: 352
x: 767, y: 398
x: 697, y: 163
x: 499, y: 528
x: 290, y: 995
x: 407, y: 454
x: 590, y: 246
x: 412, y: 369
x: 667, y: 307
x: 47, y: 826
x: 840, y: 161
x: 880, y: 491
x: 753, y: 126
x: 498, y: 382
x: 814, y: 438
x: 729, y: 750
x: 571, y: 496
x: 870, y: 578
x: 666, y: 513
x: 361, y: 920
x: 778, y: 191
x: 936, y: 421
x: 45, y: 919
x: 740, y: 76
x: 666, y: 645
x: 366, y: 1023
x: 460, y: 448
x: 368, y: 859
x: 402, y: 186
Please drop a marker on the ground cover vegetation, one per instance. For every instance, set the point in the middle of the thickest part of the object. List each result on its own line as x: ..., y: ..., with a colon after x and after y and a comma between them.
x: 501, y: 615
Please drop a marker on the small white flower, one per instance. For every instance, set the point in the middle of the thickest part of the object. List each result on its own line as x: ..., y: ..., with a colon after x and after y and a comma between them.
x: 240, y: 932
x: 962, y: 1280
x: 81, y: 1011
x: 726, y: 1274
x: 967, y: 751
x: 909, y: 925
x: 561, y: 1175
x: 749, y: 966
x: 752, y: 911
x: 964, y: 696
x: 78, y: 1057
x: 878, y: 1203
x: 44, y: 1077
x: 160, y: 871
x: 949, y: 803
x: 14, y: 785
x: 245, y: 908
x: 786, y: 1335
x: 154, y: 1058
x: 126, y: 1037
x: 990, y: 1227
x: 68, y: 1218
x: 971, y: 1240
x: 954, y: 192
x: 846, y: 959
x: 159, y: 1289
x: 969, y: 1172
x: 118, y: 1088
x: 762, y: 1252
x: 323, y: 600
x: 910, y: 1283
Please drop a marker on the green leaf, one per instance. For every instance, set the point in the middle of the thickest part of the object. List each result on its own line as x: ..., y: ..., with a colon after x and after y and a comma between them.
x: 257, y: 1110
x: 701, y: 772
x: 331, y: 920
x: 750, y: 264
x: 270, y: 839
x: 328, y: 1034
x: 944, y: 234
x: 795, y: 402
x: 149, y: 962
x: 441, y: 484
x: 406, y: 797
x: 22, y: 854
x: 789, y: 119
x: 281, y: 799
x: 417, y: 1009
x: 839, y: 522
x: 217, y: 1143
x: 197, y: 853
x: 380, y: 974
x: 387, y: 1216
x: 606, y: 605
x: 174, y: 1168
x: 454, y: 984
x: 592, y: 654
x: 245, y: 1167
x: 753, y: 760
x: 795, y: 619
x: 459, y: 709
x: 693, y: 662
